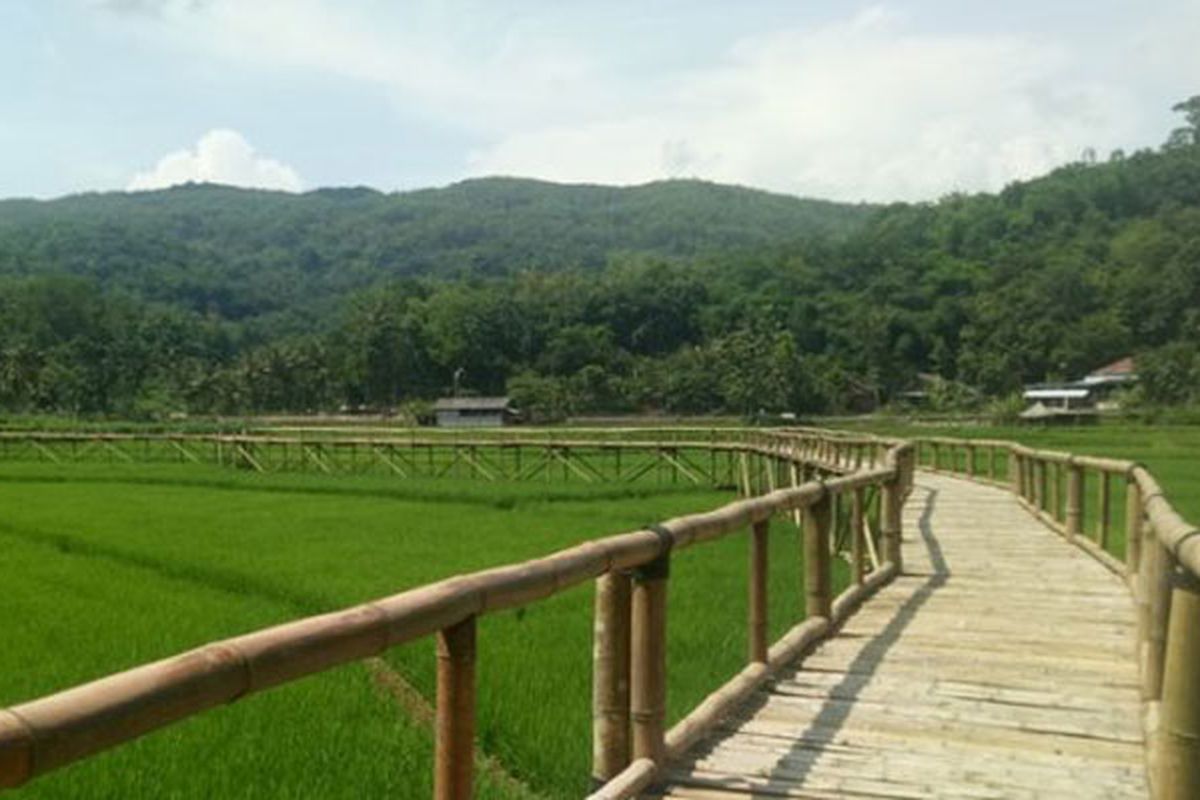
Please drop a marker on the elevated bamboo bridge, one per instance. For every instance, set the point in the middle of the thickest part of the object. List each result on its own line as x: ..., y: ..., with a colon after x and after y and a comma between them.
x: 1017, y: 624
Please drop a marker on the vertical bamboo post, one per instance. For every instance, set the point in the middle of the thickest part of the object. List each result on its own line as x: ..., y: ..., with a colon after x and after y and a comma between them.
x: 1179, y: 740
x: 891, y: 507
x: 1074, y: 499
x: 610, y: 678
x: 758, y: 593
x: 857, y: 543
x: 455, y: 736
x: 970, y: 461
x: 1055, y: 491
x: 648, y: 659
x: 1104, y: 512
x: 1039, y: 484
x: 1016, y: 473
x: 1133, y: 527
x: 1156, y: 587
x: 817, y: 578
x: 935, y: 459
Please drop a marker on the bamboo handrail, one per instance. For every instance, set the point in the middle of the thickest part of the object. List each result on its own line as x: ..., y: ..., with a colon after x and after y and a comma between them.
x: 47, y: 733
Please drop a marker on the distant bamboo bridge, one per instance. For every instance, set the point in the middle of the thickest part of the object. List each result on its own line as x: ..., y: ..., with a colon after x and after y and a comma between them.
x: 1005, y: 651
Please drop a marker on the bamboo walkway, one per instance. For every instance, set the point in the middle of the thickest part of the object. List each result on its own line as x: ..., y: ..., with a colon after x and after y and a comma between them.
x: 1000, y: 665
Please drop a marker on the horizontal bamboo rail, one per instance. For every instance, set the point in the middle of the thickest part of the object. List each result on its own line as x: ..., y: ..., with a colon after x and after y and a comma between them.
x: 697, y: 456
x: 631, y: 571
x: 1160, y: 563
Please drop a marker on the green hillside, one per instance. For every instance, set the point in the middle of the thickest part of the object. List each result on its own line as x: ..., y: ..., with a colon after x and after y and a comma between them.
x: 239, y: 252
x: 679, y: 296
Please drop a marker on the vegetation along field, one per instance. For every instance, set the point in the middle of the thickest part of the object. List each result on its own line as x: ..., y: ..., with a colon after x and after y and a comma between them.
x: 111, y: 565
x: 677, y: 296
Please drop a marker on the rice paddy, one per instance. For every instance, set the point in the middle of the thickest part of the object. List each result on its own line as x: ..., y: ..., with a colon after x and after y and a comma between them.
x: 108, y: 565
x: 124, y: 557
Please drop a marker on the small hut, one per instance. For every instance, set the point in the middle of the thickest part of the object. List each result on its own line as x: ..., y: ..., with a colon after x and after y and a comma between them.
x: 473, y: 412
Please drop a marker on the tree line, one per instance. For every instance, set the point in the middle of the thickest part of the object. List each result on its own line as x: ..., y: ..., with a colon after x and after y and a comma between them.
x: 685, y: 298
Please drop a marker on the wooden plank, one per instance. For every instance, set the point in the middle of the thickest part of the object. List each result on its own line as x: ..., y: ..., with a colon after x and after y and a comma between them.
x: 986, y: 671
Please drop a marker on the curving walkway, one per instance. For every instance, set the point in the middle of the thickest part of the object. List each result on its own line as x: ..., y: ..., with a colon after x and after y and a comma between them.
x: 1000, y: 665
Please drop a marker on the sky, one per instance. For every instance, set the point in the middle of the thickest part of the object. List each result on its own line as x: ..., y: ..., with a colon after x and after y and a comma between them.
x: 879, y: 101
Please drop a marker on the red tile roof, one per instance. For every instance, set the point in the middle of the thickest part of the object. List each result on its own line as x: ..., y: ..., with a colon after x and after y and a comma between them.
x: 1123, y: 366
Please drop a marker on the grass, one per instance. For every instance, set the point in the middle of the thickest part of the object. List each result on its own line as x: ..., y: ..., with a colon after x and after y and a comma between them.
x: 110, y: 565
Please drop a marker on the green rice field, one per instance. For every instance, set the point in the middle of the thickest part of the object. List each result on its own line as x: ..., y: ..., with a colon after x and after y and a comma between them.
x: 129, y: 555
x: 108, y: 565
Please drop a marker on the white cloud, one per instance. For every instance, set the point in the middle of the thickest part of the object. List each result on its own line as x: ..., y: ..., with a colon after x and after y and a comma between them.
x: 864, y: 109
x: 221, y: 156
x: 871, y: 106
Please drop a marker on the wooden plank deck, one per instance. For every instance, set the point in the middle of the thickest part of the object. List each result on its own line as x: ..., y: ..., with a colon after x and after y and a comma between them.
x: 1000, y: 665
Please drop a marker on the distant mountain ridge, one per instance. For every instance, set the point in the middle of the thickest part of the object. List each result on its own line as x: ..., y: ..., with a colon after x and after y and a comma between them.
x: 483, y: 225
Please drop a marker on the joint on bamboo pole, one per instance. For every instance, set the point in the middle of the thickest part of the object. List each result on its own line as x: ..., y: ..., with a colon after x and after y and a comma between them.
x: 455, y: 736
x: 1177, y: 547
x: 659, y: 568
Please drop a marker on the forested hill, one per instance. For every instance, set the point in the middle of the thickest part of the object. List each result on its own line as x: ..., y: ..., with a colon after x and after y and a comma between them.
x: 240, y: 252
x: 679, y: 296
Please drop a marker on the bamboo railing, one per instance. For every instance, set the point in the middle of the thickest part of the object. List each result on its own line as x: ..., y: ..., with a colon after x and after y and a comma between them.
x: 694, y: 455
x: 1159, y: 559
x: 630, y: 572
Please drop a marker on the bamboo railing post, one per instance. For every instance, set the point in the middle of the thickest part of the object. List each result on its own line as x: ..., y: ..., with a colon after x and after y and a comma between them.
x: 610, y: 678
x: 1039, y: 484
x: 455, y: 735
x: 1055, y: 471
x: 1074, y: 499
x: 891, y: 507
x: 1104, y: 511
x: 1178, y: 756
x: 1157, y: 611
x: 970, y: 461
x: 818, y: 592
x: 648, y: 656
x: 1133, y: 527
x: 936, y: 457
x: 759, y: 643
x: 857, y: 534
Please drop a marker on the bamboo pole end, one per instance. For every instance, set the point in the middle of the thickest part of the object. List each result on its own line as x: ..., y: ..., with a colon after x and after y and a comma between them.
x: 16, y: 751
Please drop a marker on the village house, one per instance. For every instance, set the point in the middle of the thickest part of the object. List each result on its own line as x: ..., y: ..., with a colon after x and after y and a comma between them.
x: 1081, y: 399
x: 474, y: 412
